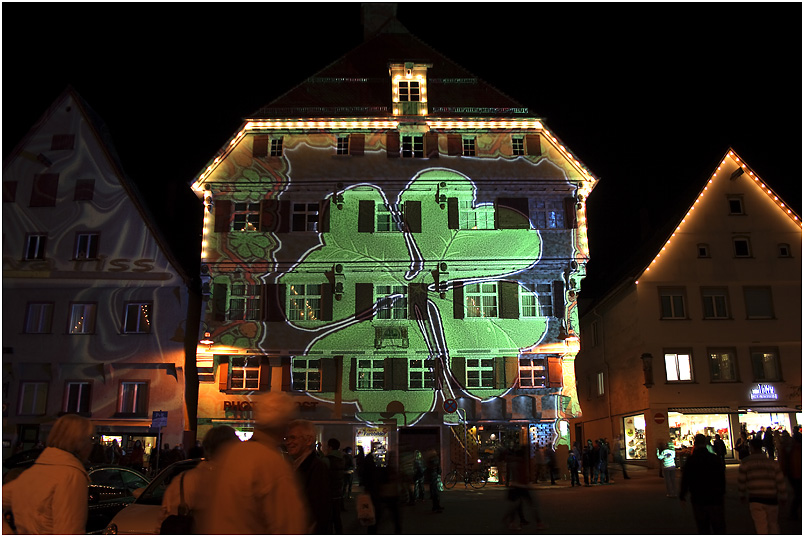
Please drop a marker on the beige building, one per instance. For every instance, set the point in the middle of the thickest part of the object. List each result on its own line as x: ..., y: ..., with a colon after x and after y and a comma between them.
x: 705, y: 337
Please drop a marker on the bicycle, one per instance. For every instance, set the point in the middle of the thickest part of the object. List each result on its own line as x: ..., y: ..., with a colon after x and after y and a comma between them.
x: 474, y: 478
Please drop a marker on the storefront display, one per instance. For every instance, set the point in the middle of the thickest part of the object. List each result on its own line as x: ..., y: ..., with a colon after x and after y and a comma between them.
x: 754, y: 420
x: 635, y: 446
x: 684, y: 427
x: 368, y: 436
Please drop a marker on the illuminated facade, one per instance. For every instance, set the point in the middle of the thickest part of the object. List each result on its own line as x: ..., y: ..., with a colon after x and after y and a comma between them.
x: 706, y: 337
x: 95, y: 303
x: 390, y: 235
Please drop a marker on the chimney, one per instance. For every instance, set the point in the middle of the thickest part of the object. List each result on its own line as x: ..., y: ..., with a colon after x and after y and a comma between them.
x: 375, y: 16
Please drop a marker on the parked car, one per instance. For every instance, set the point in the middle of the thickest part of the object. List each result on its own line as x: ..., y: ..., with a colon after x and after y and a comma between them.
x: 144, y: 515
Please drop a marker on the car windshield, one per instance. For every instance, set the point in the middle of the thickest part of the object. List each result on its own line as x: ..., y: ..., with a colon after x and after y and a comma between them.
x: 153, y: 494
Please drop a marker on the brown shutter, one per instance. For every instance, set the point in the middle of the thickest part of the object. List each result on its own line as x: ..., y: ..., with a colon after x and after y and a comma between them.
x: 570, y: 213
x: 326, y: 302
x: 454, y: 145
x: 511, y: 370
x: 223, y: 374
x: 558, y: 299
x: 353, y: 374
x: 287, y: 379
x: 265, y: 375
x: 431, y: 145
x: 323, y: 215
x: 500, y: 381
x: 260, y: 147
x: 365, y: 216
x: 357, y: 143
x: 223, y: 213
x: 413, y: 216
x: 417, y: 297
x: 512, y: 213
x: 392, y: 144
x: 328, y: 374
x: 283, y: 217
x: 533, y: 145
x: 508, y: 295
x: 399, y: 373
x: 457, y: 300
x: 45, y: 189
x: 452, y: 213
x: 219, y: 301
x: 364, y: 297
x: 388, y: 374
x: 269, y: 215
x: 555, y: 378
x: 458, y: 368
x: 274, y: 302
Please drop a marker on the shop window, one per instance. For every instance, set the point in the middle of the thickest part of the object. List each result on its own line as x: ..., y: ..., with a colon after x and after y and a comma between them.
x: 77, y: 397
x: 672, y: 303
x: 82, y: 318
x: 306, y: 374
x: 421, y: 375
x: 742, y: 247
x: 276, y: 147
x: 133, y: 398
x: 532, y: 371
x: 392, y: 301
x: 38, y: 318
x: 138, y: 318
x: 715, y: 302
x: 304, y: 302
x: 304, y: 217
x: 765, y: 364
x: 480, y: 217
x: 723, y: 365
x: 33, y: 399
x: 635, y: 444
x: 468, y: 147
x: 370, y: 373
x: 343, y: 145
x: 481, y: 299
x: 35, y: 247
x: 480, y: 372
x: 244, y: 373
x: 758, y: 302
x: 244, y: 302
x: 678, y: 367
x: 246, y: 217
x: 390, y: 217
x: 535, y: 300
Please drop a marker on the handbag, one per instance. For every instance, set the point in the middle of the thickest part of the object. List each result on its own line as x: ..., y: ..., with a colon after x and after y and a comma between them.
x: 182, y: 523
x: 365, y: 510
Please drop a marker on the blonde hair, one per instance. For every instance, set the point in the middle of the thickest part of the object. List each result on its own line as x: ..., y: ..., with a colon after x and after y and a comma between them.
x: 70, y: 433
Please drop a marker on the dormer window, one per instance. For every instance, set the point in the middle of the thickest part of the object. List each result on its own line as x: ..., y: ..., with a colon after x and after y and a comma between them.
x: 409, y: 88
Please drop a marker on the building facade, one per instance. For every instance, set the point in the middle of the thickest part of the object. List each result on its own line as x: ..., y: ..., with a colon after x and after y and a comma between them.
x: 95, y: 303
x: 707, y: 337
x: 400, y: 246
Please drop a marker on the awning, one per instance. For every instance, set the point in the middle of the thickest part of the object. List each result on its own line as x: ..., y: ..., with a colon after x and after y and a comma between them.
x: 702, y: 410
x: 769, y: 409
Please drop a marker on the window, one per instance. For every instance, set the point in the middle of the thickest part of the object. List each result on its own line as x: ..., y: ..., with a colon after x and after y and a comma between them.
x: 38, y: 318
x: 35, y: 247
x: 44, y: 190
x: 535, y: 300
x: 468, y: 147
x: 758, y: 302
x: 33, y: 399
x: 62, y: 141
x: 547, y: 214
x: 742, y: 247
x: 77, y: 396
x: 672, y: 303
x: 84, y: 190
x: 715, y: 303
x: 245, y: 373
x: 370, y: 373
x: 82, y: 318
x: 703, y: 250
x: 306, y: 374
x: 601, y: 388
x: 784, y: 250
x: 678, y: 367
x: 276, y: 147
x: 481, y: 299
x: 723, y: 365
x: 412, y: 146
x: 246, y: 217
x: 304, y: 302
x: 736, y: 205
x: 133, y: 398
x: 765, y: 364
x: 532, y: 371
x: 391, y: 308
x: 480, y: 372
x: 390, y: 216
x: 421, y: 375
x: 518, y: 145
x: 343, y: 144
x: 481, y: 217
x: 244, y: 302
x: 138, y: 318
x: 86, y: 245
x: 304, y: 217
x: 409, y: 90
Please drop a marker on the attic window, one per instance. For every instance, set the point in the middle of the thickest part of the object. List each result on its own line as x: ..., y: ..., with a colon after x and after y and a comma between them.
x: 409, y: 88
x: 409, y: 91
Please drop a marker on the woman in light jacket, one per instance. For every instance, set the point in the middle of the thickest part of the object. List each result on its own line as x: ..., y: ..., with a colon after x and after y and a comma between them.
x: 51, y: 496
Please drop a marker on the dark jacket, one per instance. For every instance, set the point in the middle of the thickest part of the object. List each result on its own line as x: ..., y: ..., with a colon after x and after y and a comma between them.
x: 704, y: 477
x: 337, y: 469
x: 313, y: 475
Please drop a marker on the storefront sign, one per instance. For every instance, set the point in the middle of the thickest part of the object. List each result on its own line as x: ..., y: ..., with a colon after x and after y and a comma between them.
x: 238, y: 406
x: 658, y: 418
x: 764, y: 392
x: 159, y: 419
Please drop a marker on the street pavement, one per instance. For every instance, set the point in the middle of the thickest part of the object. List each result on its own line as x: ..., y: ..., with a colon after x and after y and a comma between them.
x: 634, y: 506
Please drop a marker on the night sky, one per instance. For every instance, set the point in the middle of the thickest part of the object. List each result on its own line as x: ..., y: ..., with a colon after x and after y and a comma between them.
x: 648, y: 96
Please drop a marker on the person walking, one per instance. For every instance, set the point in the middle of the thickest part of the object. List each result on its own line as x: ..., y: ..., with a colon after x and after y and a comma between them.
x: 761, y: 483
x: 51, y: 497
x: 667, y: 460
x: 573, y: 463
x: 337, y: 472
x: 432, y: 475
x: 550, y: 462
x: 349, y: 473
x: 720, y: 449
x: 604, y: 461
x: 519, y: 493
x: 313, y: 474
x: 767, y: 443
x: 619, y: 454
x: 595, y: 470
x: 704, y: 478
x: 586, y: 463
x: 418, y: 476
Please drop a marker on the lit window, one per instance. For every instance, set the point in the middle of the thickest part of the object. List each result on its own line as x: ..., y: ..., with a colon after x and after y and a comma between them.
x: 409, y: 90
x: 678, y: 367
x: 481, y: 217
x: 532, y: 371
x: 246, y: 217
x: 715, y: 303
x: 736, y: 205
x: 276, y: 147
x: 33, y: 399
x: 343, y: 144
x: 370, y: 374
x: 82, y: 318
x: 306, y: 374
x: 77, y: 396
x: 244, y: 302
x: 392, y: 301
x: 723, y: 365
x: 304, y: 303
x: 765, y: 364
x: 38, y: 318
x: 547, y: 214
x: 304, y: 217
x: 35, y: 247
x: 481, y: 299
x: 133, y: 398
x: 601, y: 388
x: 138, y: 318
x: 245, y: 373
x: 518, y: 144
x: 390, y: 216
x: 480, y: 372
x: 535, y: 300
x: 742, y: 247
x: 672, y: 303
x: 86, y: 245
x: 421, y: 374
x: 758, y: 302
x: 412, y: 146
x: 468, y: 147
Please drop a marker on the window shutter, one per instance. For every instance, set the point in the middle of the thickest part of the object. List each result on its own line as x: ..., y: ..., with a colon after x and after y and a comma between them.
x: 570, y: 214
x: 458, y: 368
x: 365, y: 216
x: 265, y: 375
x: 508, y: 294
x: 399, y: 373
x: 512, y: 213
x: 558, y: 299
x: 413, y: 216
x: 323, y: 215
x: 326, y: 301
x: 511, y: 370
x: 287, y: 381
x: 260, y: 147
x: 555, y: 377
x: 283, y: 217
x: 452, y: 213
x: 223, y: 374
x: 44, y: 191
x: 219, y: 301
x: 274, y: 302
x: 388, y: 374
x: 500, y: 380
x: 269, y: 215
x: 533, y: 145
x: 353, y: 374
x: 457, y: 300
x: 417, y: 298
x: 364, y: 297
x: 454, y: 145
x: 9, y: 191
x: 328, y: 375
x: 392, y: 144
x: 223, y: 212
x: 431, y: 145
x: 357, y: 143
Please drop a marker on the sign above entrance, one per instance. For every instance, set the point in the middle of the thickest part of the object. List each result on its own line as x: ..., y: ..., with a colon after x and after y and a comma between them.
x: 764, y: 392
x: 450, y: 405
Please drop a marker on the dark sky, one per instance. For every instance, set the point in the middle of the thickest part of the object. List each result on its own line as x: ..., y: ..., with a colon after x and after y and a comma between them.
x: 649, y: 96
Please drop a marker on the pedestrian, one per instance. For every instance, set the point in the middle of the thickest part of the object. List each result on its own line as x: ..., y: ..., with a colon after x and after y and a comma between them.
x: 194, y: 486
x: 349, y: 473
x: 596, y: 477
x: 720, y: 449
x: 604, y: 461
x: 51, y: 496
x: 406, y: 471
x: 256, y: 490
x: 550, y: 462
x: 197, y: 451
x: 432, y: 475
x: 667, y: 459
x: 360, y: 458
x: 619, y: 454
x: 794, y: 473
x: 705, y: 479
x: 743, y: 449
x: 573, y: 463
x: 313, y: 474
x: 98, y: 454
x: 387, y: 486
x: 164, y: 456
x: 538, y: 461
x: 519, y: 493
x: 767, y: 443
x: 136, y: 456
x: 761, y: 483
x: 114, y: 452
x: 586, y: 463
x: 337, y: 470
x: 418, y: 476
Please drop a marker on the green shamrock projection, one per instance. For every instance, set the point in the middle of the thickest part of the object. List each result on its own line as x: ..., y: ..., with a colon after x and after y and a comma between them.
x: 406, y: 258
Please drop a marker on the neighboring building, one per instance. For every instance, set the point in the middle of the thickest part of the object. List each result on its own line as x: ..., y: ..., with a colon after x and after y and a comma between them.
x: 95, y: 300
x: 392, y: 236
x: 706, y: 337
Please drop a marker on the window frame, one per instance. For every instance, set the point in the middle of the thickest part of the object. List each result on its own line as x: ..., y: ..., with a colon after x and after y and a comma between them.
x: 249, y: 302
x: 426, y: 370
x: 405, y: 91
x: 737, y: 250
x: 547, y: 213
x: 715, y: 292
x: 140, y: 398
x: 301, y: 376
x: 375, y: 369
x: 480, y: 373
x: 87, y: 244
x: 774, y: 351
x: 305, y: 296
x: 476, y: 291
x: 714, y: 359
x: 411, y: 146
x: 83, y: 400
x: 397, y: 311
x: 245, y: 216
x: 543, y: 303
x: 600, y: 384
x: 534, y: 369
x: 37, y: 407
x: 342, y: 144
x: 672, y: 293
x: 395, y: 214
x: 703, y: 250
x: 248, y: 381
x: 676, y: 354
x: 44, y: 316
x: 518, y: 146
x: 468, y: 213
x: 130, y: 312
x: 277, y: 147
x: 736, y: 199
x: 468, y: 146
x: 39, y: 243
x: 783, y: 249
x: 90, y: 310
x: 308, y: 212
